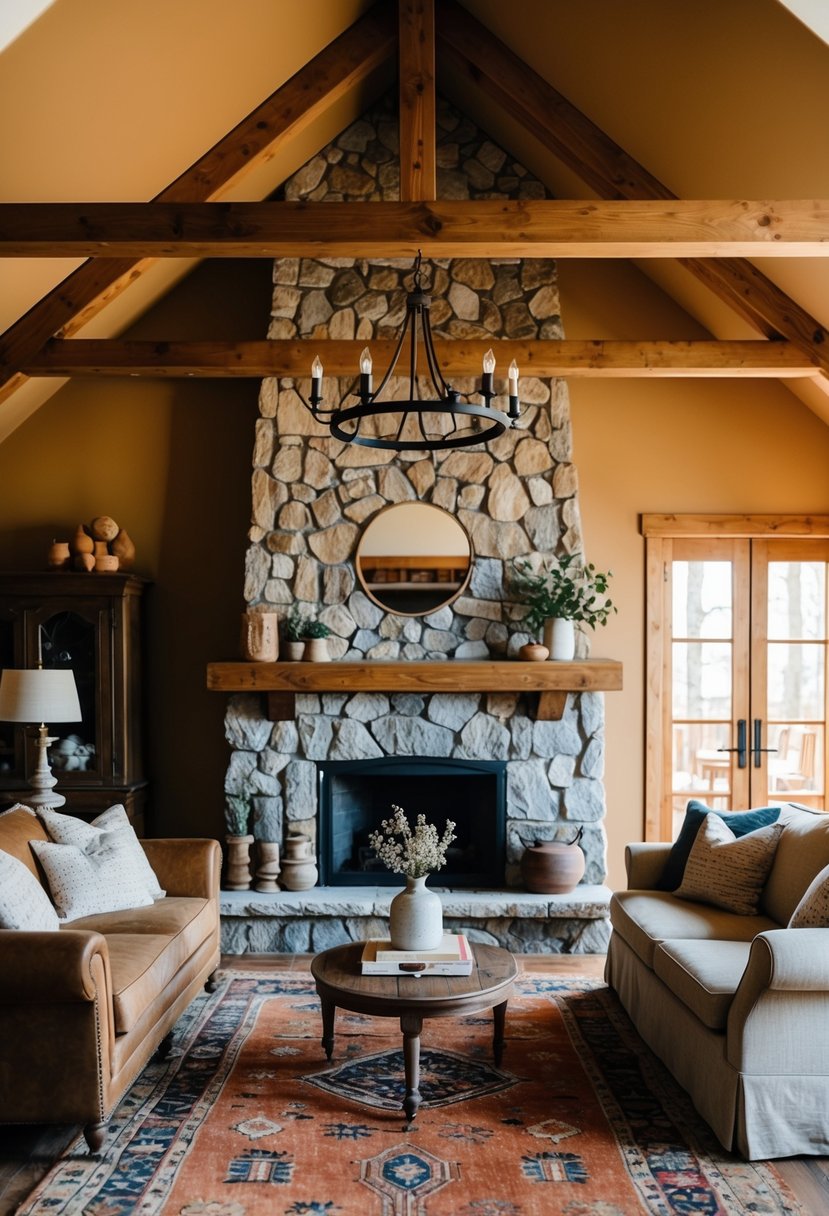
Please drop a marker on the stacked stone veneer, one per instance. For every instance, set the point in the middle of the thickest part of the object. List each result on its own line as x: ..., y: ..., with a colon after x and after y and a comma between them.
x: 516, y: 497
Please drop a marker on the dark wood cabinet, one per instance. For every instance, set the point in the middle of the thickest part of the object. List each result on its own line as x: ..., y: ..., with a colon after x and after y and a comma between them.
x: 91, y: 623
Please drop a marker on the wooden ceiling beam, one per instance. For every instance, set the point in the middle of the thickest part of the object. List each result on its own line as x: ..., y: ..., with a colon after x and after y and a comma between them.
x: 446, y: 228
x: 330, y: 75
x: 468, y: 48
x: 418, y: 154
x: 567, y: 358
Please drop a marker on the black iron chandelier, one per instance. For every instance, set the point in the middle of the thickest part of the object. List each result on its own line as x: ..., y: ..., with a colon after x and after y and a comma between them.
x: 444, y: 418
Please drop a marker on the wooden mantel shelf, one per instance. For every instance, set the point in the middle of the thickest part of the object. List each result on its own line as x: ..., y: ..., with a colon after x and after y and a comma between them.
x: 551, y: 680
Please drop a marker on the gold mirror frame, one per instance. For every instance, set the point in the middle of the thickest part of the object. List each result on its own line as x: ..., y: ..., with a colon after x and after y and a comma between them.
x: 415, y: 584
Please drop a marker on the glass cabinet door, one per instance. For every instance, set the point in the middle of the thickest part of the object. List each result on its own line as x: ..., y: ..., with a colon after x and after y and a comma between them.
x: 71, y: 639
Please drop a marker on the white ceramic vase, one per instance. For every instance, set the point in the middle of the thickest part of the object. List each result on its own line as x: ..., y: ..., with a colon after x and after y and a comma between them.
x: 416, y: 917
x: 560, y: 639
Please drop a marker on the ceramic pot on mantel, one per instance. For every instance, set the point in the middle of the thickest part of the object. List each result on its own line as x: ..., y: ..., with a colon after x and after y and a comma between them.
x: 299, y: 866
x: 238, y: 876
x: 560, y: 639
x: 416, y: 917
x: 552, y: 867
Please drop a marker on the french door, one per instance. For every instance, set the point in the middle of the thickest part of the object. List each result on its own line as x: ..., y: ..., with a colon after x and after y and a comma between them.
x: 737, y: 671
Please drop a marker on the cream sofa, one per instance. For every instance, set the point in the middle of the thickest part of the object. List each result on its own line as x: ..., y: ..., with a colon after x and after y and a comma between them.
x: 83, y: 1008
x: 736, y: 1006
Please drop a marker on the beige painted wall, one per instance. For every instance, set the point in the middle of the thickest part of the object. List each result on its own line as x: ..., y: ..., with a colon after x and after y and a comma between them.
x: 171, y: 462
x: 666, y: 446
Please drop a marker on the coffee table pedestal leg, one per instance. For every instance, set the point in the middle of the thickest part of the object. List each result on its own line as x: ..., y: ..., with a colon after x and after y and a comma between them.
x: 328, y: 1011
x: 499, y: 1015
x: 411, y: 1025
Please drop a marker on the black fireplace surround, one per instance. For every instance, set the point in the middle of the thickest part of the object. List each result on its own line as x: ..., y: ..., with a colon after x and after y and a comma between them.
x: 354, y: 796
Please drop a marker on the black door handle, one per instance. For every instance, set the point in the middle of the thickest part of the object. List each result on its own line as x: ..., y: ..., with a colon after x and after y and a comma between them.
x: 758, y: 739
x: 740, y: 749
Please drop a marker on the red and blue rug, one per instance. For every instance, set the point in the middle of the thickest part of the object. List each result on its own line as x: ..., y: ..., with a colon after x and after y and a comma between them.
x: 246, y: 1118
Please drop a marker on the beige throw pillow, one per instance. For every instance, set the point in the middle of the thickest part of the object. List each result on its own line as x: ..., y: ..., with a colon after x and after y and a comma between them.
x: 727, y: 871
x: 23, y: 902
x: 813, y: 910
x: 95, y: 879
x: 68, y: 829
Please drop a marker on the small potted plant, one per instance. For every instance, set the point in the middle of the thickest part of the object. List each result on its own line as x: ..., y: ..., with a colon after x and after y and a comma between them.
x: 238, y: 841
x: 295, y: 627
x: 569, y: 593
x: 415, y: 914
x: 316, y: 642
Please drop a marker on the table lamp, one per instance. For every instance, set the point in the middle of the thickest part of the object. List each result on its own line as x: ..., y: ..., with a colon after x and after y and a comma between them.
x: 38, y: 695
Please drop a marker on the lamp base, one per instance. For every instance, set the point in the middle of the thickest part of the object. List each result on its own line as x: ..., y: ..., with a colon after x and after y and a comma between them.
x: 42, y: 793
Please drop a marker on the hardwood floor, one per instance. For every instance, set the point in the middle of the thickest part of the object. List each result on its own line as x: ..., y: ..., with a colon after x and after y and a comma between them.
x: 26, y: 1153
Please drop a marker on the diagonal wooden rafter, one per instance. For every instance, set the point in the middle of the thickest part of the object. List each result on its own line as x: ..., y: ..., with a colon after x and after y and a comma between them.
x: 444, y: 228
x: 346, y: 61
x: 284, y: 357
x: 468, y: 47
x: 418, y: 153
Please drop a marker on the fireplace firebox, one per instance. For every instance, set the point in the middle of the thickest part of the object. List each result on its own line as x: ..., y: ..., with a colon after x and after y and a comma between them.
x: 356, y: 795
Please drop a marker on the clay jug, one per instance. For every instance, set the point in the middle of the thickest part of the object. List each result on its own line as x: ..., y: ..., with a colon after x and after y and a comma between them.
x: 551, y: 867
x: 59, y: 557
x: 299, y: 867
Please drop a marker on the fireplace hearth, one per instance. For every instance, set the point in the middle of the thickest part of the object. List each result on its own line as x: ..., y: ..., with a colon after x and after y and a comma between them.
x: 356, y: 795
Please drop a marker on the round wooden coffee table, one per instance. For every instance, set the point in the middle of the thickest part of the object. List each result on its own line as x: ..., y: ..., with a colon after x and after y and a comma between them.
x: 412, y: 998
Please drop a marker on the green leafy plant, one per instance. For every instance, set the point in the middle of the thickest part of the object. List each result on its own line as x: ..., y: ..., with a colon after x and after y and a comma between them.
x: 569, y: 590
x: 296, y: 624
x: 316, y: 629
x: 237, y: 815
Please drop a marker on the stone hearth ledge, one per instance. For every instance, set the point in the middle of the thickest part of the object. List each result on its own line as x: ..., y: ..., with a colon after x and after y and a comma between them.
x: 313, y: 920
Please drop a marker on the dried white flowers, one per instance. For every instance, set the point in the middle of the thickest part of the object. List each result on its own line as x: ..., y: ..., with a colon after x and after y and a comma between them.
x: 413, y: 853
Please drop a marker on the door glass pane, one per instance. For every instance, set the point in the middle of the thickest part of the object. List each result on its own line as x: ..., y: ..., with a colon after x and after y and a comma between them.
x: 797, y: 600
x: 702, y: 680
x: 796, y: 768
x: 702, y: 606
x: 795, y: 676
x: 701, y: 768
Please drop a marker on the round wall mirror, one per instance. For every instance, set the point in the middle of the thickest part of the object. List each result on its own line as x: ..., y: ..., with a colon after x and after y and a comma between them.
x: 413, y: 558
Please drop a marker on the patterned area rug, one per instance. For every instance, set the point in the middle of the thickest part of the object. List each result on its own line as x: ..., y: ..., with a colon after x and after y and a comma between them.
x: 246, y: 1118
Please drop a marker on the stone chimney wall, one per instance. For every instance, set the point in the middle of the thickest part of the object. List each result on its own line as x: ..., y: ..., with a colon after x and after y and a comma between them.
x: 516, y: 496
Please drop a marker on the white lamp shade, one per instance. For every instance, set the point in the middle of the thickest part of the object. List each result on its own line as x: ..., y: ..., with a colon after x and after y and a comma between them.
x: 39, y: 694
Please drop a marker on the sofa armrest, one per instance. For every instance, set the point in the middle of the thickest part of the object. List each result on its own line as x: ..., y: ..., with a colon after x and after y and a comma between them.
x: 186, y: 867
x: 49, y: 968
x: 788, y: 960
x: 644, y: 863
x: 779, y: 1018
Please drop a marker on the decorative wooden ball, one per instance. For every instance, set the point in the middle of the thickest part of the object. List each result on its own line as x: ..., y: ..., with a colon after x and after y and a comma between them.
x: 104, y: 528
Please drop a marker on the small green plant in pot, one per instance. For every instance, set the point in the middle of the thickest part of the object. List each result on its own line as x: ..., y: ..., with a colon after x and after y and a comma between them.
x: 569, y: 591
x: 295, y: 630
x: 316, y: 645
x: 237, y: 843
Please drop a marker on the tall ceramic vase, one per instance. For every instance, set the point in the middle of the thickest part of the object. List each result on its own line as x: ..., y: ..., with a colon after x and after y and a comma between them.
x: 560, y: 639
x: 416, y: 917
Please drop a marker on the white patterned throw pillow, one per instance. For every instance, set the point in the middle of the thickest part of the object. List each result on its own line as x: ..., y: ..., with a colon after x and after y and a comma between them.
x: 68, y: 829
x: 728, y: 871
x: 813, y: 910
x: 98, y: 878
x: 23, y: 902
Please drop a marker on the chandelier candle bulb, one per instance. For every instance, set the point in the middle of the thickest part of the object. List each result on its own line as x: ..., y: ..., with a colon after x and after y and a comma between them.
x: 514, y: 411
x: 365, y: 373
x: 487, y: 390
x: 316, y: 381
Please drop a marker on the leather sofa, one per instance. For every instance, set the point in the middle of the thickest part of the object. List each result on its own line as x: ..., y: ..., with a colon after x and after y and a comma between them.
x: 83, y: 1009
x: 736, y: 1006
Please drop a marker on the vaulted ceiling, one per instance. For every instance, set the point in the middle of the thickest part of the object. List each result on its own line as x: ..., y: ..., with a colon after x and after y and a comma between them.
x: 642, y: 122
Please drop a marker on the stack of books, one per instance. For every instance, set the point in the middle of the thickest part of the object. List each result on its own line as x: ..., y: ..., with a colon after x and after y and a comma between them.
x: 452, y: 957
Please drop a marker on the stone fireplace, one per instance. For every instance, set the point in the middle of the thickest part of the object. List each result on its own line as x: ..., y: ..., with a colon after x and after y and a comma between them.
x: 516, y: 497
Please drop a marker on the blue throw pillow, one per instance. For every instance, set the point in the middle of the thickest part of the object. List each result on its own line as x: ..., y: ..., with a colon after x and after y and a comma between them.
x: 740, y: 822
